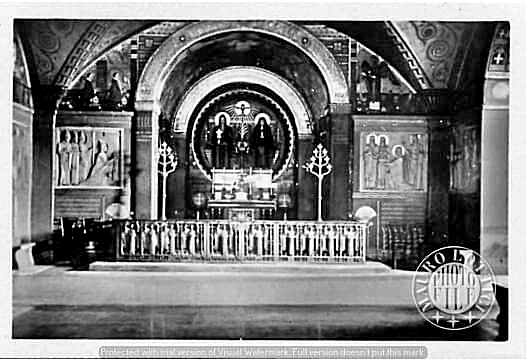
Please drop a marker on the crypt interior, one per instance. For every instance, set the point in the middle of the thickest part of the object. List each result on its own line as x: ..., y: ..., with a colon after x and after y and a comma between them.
x: 143, y: 140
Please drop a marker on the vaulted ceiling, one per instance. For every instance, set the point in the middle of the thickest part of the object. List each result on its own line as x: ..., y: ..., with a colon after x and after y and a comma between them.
x: 429, y: 55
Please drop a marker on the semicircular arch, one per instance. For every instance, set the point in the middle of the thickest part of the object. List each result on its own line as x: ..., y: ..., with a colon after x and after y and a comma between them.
x: 163, y: 61
x: 249, y: 75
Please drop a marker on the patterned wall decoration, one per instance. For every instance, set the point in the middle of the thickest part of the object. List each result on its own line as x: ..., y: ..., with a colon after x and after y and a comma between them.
x: 393, y: 161
x: 435, y: 46
x: 99, y: 38
x: 337, y: 43
x: 62, y: 48
x: 88, y: 157
x: 117, y: 60
x: 51, y: 42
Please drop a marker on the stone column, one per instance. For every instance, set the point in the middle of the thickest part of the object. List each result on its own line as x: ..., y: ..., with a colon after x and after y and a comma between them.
x: 306, y: 190
x: 46, y: 100
x: 494, y: 173
x: 144, y: 149
x: 341, y: 134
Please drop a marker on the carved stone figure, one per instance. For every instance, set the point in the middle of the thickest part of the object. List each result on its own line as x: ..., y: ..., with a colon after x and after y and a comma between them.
x: 395, y: 174
x: 64, y: 158
x: 370, y: 157
x: 102, y: 168
x: 411, y: 160
x: 75, y: 157
x: 84, y: 157
x: 419, y: 182
x: 382, y: 163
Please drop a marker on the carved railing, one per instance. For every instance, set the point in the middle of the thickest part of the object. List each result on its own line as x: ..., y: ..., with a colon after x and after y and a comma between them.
x: 401, y: 245
x: 220, y: 240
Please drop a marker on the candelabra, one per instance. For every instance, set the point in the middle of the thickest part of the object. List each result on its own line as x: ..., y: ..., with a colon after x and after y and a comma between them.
x: 319, y: 165
x: 167, y: 162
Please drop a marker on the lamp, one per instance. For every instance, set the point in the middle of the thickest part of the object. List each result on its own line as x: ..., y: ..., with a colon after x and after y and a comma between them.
x: 199, y: 199
x: 284, y: 202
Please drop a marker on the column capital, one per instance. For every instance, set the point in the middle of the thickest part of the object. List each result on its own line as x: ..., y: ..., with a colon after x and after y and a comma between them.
x: 340, y: 108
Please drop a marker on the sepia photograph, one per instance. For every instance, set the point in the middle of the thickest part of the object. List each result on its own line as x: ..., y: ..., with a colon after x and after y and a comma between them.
x: 260, y: 179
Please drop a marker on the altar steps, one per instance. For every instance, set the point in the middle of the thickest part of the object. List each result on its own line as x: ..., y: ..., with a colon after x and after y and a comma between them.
x: 323, y: 269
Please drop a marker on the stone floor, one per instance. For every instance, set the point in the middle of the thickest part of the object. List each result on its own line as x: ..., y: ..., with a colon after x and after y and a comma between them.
x: 334, y: 322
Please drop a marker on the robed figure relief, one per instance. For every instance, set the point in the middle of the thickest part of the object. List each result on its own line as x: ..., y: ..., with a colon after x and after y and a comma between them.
x: 222, y: 142
x: 262, y: 142
x: 464, y: 159
x: 102, y: 170
x: 370, y: 158
x: 382, y: 163
x: 75, y: 158
x: 84, y: 156
x: 64, y: 159
x: 393, y: 161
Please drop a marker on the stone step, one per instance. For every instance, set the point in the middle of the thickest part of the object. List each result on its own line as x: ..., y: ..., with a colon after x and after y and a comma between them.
x: 244, y: 267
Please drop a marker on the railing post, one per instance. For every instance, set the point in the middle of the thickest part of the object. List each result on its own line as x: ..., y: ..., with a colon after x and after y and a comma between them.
x: 206, y: 235
x: 241, y: 240
x: 364, y: 241
x: 275, y: 229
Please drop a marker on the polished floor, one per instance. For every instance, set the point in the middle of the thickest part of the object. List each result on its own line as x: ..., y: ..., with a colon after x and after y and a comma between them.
x: 334, y: 322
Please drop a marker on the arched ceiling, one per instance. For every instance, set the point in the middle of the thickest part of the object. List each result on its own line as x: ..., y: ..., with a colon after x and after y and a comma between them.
x: 246, y: 49
x: 429, y: 55
x: 58, y: 50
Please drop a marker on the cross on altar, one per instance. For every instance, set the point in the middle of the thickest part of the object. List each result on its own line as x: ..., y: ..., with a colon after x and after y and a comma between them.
x: 498, y: 59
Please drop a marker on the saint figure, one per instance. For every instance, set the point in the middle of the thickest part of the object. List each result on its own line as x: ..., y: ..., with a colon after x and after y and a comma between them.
x: 88, y: 92
x: 370, y: 156
x: 84, y: 157
x: 262, y: 142
x: 64, y: 158
x: 102, y: 167
x: 75, y: 159
x: 382, y: 163
x: 115, y: 93
x: 222, y: 140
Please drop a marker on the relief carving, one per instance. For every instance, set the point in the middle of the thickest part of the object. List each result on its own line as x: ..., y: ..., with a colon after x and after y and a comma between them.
x: 88, y: 157
x: 393, y: 161
x: 464, y: 160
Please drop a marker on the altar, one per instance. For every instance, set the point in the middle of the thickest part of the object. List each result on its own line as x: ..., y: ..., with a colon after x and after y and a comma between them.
x: 242, y: 194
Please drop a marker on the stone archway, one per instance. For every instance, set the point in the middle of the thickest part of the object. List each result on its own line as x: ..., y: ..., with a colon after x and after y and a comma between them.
x: 164, y: 61
x: 244, y: 74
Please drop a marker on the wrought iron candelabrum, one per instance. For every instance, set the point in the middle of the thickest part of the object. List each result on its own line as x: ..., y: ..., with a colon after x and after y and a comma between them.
x: 167, y: 163
x: 319, y: 165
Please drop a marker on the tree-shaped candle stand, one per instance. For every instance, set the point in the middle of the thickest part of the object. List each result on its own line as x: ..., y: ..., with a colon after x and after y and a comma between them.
x: 319, y: 165
x: 167, y: 162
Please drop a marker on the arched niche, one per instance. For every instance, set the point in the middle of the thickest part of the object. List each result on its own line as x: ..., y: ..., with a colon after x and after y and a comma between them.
x: 249, y: 75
